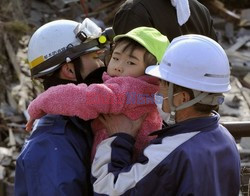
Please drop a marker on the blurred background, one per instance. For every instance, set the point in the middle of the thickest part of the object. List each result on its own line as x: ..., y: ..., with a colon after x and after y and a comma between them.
x: 19, y: 19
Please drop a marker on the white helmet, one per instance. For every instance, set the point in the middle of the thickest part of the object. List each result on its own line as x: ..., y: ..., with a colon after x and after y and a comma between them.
x: 61, y: 41
x: 198, y: 63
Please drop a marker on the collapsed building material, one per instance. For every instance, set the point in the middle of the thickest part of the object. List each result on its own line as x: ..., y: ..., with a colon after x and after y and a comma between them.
x: 14, y: 98
x: 219, y: 8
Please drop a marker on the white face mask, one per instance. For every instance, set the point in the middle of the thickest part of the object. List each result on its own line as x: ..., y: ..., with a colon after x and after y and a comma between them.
x: 158, y: 98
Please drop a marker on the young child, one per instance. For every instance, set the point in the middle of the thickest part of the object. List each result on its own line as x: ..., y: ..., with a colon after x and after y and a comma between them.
x: 126, y: 88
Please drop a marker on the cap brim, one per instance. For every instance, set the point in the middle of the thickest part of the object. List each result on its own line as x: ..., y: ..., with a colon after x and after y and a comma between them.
x: 120, y: 36
x: 154, y: 70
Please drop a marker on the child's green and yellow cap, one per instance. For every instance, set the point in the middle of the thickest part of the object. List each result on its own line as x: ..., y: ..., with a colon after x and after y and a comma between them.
x: 150, y: 38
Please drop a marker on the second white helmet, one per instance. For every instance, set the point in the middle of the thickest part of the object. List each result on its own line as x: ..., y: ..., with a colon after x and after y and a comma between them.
x: 195, y: 62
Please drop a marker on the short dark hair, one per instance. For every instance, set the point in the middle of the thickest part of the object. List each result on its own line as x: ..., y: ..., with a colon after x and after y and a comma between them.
x: 203, y: 108
x: 149, y: 59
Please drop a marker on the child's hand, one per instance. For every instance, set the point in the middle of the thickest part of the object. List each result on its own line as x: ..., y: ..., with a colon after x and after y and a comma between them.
x: 121, y: 124
x: 29, y: 124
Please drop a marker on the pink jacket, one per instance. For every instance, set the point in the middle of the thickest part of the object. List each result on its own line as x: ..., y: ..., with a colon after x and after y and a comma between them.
x: 130, y: 96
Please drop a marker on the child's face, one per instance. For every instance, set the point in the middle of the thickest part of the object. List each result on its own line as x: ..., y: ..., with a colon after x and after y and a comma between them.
x: 125, y: 63
x: 91, y: 62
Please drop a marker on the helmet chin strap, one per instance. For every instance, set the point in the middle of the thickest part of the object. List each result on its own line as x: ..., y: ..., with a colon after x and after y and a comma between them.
x: 171, y: 104
x: 77, y: 66
x: 54, y: 81
x: 174, y: 109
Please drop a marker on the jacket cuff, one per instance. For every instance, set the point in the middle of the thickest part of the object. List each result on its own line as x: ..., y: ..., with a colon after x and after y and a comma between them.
x: 125, y: 136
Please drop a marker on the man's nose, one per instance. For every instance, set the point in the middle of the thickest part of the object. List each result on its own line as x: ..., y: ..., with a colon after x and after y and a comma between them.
x: 101, y: 64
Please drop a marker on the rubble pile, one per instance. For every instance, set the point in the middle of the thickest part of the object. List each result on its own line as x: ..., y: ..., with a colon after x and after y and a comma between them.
x: 19, y: 19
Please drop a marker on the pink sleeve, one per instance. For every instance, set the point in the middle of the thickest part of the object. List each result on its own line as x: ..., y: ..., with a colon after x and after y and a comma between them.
x: 86, y: 102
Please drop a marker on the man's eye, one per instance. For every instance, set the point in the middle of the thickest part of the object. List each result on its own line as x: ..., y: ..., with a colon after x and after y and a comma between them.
x: 115, y: 58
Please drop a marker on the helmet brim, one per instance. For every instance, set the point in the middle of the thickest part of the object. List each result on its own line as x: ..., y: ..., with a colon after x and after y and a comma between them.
x: 57, y: 60
x: 154, y: 70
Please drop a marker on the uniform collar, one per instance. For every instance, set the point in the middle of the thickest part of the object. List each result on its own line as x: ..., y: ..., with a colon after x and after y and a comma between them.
x: 190, y: 125
x: 56, y: 124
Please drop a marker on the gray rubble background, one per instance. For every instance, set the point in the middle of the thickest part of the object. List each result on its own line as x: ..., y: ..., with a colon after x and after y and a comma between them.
x: 19, y: 19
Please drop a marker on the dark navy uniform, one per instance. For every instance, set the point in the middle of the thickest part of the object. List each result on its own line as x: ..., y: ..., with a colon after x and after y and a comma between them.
x: 194, y: 157
x: 55, y: 160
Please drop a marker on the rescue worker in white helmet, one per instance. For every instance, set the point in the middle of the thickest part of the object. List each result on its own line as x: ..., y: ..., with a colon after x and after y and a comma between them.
x: 55, y: 160
x: 194, y: 155
x: 65, y: 42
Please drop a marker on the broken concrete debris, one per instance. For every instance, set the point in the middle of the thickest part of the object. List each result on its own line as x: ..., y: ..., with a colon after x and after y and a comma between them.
x: 18, y: 19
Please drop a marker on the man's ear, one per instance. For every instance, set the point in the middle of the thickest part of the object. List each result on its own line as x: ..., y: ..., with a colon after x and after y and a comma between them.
x: 68, y: 71
x: 186, y: 96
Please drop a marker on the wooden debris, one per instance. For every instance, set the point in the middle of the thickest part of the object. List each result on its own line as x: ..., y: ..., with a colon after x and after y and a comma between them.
x: 229, y: 32
x: 245, y: 179
x: 246, y: 95
x: 18, y: 13
x: 218, y: 7
x: 246, y: 81
x: 17, y: 89
x: 245, y: 18
x: 241, y: 41
x: 12, y: 55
